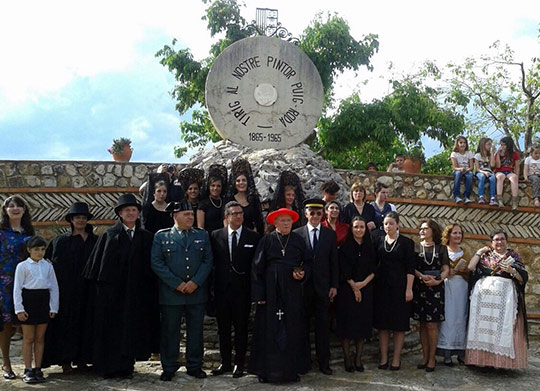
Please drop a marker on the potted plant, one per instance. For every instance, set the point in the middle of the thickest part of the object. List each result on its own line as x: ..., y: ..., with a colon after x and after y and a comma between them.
x: 414, y: 157
x: 121, y: 149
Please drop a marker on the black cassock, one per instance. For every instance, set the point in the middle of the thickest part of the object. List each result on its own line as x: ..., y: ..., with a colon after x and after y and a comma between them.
x: 278, y: 350
x: 126, y: 311
x: 64, y: 340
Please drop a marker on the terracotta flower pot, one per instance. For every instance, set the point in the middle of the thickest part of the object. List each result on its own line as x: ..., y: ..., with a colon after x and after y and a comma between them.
x: 124, y: 156
x: 412, y: 166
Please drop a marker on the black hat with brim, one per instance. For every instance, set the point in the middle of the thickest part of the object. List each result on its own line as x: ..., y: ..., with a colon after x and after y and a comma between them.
x: 315, y: 203
x: 78, y: 208
x: 126, y: 200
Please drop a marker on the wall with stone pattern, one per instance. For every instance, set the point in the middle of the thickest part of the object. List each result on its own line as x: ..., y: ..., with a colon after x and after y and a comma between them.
x: 50, y: 187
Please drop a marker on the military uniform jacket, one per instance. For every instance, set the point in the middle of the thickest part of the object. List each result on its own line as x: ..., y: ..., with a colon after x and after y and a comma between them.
x: 176, y: 260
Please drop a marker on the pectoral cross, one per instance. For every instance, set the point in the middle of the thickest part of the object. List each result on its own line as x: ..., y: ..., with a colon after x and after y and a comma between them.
x: 280, y: 314
x: 283, y: 252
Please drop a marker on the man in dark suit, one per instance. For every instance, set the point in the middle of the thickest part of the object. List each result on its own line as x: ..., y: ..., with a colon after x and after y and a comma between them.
x: 233, y: 248
x: 321, y: 285
x: 182, y: 260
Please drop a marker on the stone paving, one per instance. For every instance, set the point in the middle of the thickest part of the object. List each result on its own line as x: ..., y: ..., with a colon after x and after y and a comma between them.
x: 444, y: 378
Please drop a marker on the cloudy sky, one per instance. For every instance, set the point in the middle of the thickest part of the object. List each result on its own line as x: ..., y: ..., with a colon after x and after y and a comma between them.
x: 76, y: 74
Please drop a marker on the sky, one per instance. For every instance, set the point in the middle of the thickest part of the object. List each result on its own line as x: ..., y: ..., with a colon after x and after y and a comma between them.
x: 76, y: 74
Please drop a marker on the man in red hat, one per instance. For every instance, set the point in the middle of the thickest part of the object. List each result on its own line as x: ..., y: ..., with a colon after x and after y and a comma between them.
x: 279, y: 350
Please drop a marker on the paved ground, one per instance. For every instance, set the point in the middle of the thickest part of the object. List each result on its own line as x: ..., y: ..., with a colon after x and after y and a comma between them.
x: 408, y: 378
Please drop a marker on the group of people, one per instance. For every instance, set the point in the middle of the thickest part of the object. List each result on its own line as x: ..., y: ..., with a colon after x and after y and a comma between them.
x: 487, y: 165
x: 493, y: 166
x: 112, y: 300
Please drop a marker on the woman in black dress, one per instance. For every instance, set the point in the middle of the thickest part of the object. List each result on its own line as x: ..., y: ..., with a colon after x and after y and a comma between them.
x: 354, y: 304
x: 154, y: 215
x: 428, y: 304
x: 192, y: 181
x: 289, y: 194
x: 359, y: 207
x: 210, y: 212
x: 65, y: 340
x: 242, y: 190
x: 393, y: 288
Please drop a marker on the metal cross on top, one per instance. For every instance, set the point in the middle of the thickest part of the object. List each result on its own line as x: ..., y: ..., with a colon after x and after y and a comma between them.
x: 280, y: 314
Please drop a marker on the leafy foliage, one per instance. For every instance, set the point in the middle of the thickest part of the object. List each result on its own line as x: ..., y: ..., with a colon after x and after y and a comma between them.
x: 499, y: 93
x: 391, y: 125
x: 438, y: 164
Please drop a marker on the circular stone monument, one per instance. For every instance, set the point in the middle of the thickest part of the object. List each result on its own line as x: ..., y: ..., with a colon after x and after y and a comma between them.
x: 264, y: 92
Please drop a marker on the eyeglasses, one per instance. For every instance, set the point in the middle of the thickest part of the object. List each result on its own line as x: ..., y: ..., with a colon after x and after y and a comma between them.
x: 313, y: 213
x: 234, y: 214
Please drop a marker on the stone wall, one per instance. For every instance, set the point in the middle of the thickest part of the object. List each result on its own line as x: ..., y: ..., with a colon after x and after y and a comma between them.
x: 51, y: 186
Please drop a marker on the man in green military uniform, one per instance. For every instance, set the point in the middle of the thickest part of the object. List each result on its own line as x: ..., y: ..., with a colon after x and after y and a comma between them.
x: 182, y: 260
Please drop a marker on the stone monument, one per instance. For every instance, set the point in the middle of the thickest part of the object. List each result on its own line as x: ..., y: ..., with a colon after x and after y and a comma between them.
x: 265, y: 96
x: 264, y: 92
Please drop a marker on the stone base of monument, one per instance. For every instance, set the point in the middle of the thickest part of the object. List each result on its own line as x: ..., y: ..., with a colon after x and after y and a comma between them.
x: 267, y: 164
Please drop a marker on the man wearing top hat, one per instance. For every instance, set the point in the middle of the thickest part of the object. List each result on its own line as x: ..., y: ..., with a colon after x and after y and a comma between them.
x: 321, y: 286
x: 64, y: 342
x: 182, y: 260
x: 126, y: 312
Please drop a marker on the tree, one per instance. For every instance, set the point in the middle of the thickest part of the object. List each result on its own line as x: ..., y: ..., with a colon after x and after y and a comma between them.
x: 378, y: 130
x: 499, y: 93
x: 327, y: 42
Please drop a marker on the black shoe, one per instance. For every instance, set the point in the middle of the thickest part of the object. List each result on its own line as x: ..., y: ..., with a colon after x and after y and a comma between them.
x: 263, y: 379
x: 8, y: 375
x: 166, y: 376
x: 38, y: 374
x: 421, y: 366
x: 383, y: 366
x: 393, y: 368
x: 460, y: 361
x: 198, y: 373
x: 221, y: 370
x: 449, y: 363
x: 431, y: 369
x: 326, y: 371
x: 238, y: 371
x: 359, y: 367
x: 29, y: 377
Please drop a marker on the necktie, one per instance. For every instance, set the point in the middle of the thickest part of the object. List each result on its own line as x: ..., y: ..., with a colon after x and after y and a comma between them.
x: 130, y: 234
x: 315, y: 240
x: 234, y: 244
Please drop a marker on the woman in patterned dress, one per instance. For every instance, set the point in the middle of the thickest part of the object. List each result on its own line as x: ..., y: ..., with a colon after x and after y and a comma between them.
x: 428, y: 303
x: 15, y: 229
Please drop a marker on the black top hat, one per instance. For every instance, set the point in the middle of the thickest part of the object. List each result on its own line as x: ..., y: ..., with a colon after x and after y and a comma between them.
x: 126, y: 200
x: 316, y: 203
x: 78, y: 208
x: 178, y: 207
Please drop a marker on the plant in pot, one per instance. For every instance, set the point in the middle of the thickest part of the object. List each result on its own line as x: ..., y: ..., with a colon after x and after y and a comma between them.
x: 121, y: 149
x: 414, y: 157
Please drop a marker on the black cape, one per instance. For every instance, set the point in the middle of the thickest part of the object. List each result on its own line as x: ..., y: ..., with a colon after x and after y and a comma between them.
x: 126, y: 310
x: 279, y: 351
x: 64, y: 340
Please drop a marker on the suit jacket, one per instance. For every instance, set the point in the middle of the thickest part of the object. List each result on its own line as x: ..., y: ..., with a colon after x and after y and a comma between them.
x: 225, y: 276
x: 174, y: 263
x: 325, y: 266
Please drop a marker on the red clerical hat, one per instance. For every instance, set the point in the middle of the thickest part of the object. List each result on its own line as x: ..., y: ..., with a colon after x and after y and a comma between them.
x: 283, y: 211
